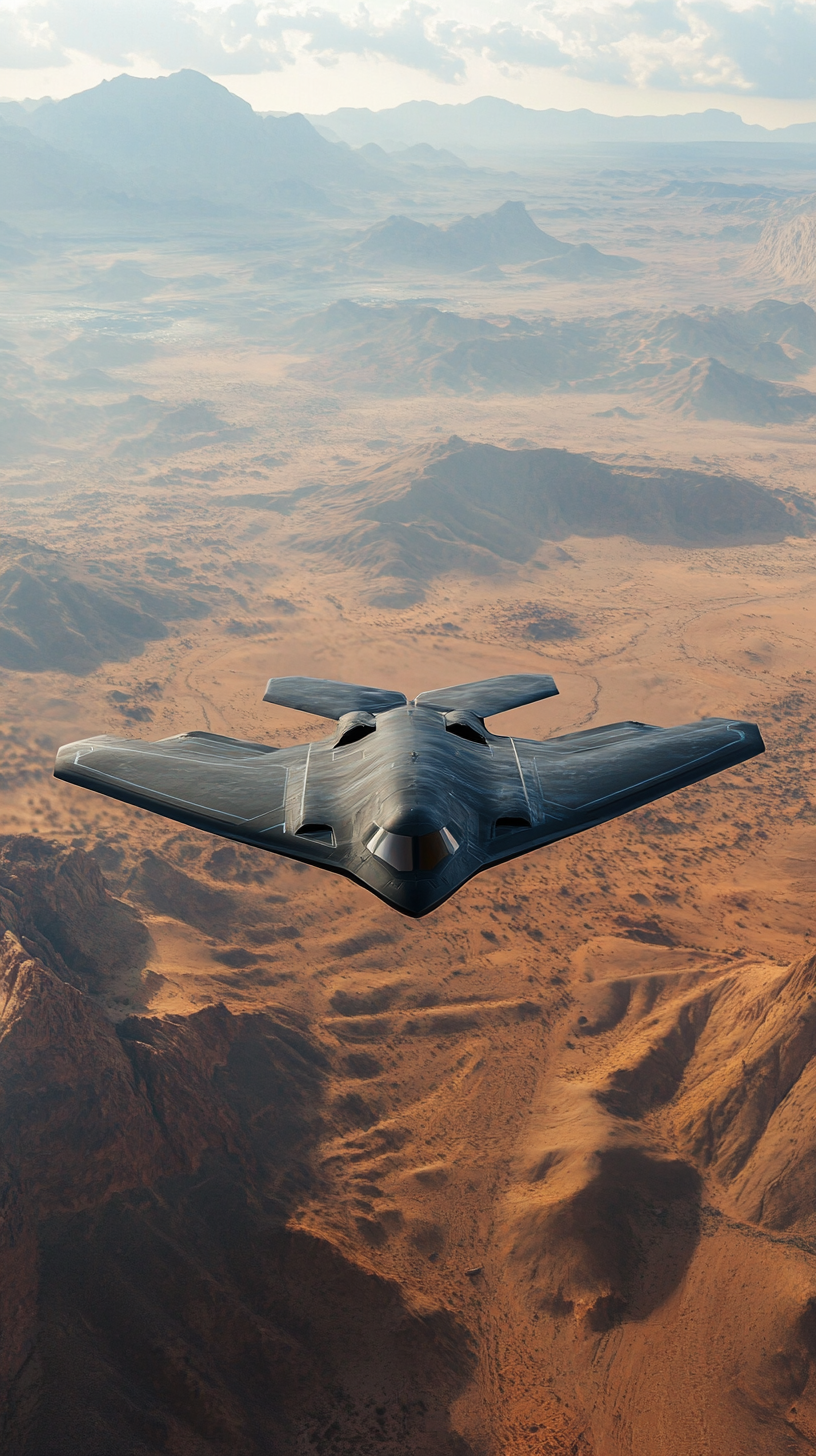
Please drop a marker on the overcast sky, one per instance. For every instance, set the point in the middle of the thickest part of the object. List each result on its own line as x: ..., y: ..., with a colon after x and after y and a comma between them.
x: 612, y: 55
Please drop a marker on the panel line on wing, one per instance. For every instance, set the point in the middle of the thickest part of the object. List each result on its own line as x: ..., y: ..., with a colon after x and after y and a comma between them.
x: 305, y: 779
x: 157, y: 753
x: 630, y: 788
x: 165, y: 798
x: 521, y: 776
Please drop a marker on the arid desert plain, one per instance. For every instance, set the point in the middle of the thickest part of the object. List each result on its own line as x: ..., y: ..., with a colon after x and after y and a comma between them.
x: 282, y: 1171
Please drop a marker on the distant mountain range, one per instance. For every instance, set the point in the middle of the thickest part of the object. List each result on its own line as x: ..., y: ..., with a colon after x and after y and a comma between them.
x: 490, y: 124
x: 185, y: 138
x: 506, y: 235
x: 179, y: 136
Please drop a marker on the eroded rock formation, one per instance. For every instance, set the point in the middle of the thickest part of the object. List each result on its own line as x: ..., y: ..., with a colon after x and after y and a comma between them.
x: 434, y: 1222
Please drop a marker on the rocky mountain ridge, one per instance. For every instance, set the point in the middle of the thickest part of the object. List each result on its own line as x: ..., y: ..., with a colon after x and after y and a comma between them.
x: 57, y: 613
x: 228, y: 1230
x: 506, y: 235
x: 479, y: 508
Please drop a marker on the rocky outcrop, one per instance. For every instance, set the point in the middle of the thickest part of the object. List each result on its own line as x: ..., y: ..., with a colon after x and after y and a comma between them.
x: 55, y: 900
x: 157, y: 1293
x: 709, y: 390
x: 55, y: 613
x: 787, y: 247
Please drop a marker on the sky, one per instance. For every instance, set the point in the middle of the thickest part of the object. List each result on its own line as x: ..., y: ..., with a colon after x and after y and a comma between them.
x: 755, y: 57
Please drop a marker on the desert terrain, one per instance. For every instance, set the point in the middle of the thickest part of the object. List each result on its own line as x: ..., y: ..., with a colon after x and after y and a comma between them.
x: 282, y: 1171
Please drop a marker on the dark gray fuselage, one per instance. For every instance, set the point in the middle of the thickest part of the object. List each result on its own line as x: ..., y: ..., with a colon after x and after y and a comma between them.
x: 413, y: 800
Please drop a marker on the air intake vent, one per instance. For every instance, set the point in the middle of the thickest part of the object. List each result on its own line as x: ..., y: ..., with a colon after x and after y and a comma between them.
x: 465, y: 725
x: 323, y: 833
x: 353, y: 727
x: 510, y: 822
x: 353, y: 735
x: 412, y: 852
x: 464, y: 730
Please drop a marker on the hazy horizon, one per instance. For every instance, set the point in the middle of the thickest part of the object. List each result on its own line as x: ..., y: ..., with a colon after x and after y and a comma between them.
x: 616, y: 59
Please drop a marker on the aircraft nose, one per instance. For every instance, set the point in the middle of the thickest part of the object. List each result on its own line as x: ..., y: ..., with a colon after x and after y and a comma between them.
x: 412, y: 837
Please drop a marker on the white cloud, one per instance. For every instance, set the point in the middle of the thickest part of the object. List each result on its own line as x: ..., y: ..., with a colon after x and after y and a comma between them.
x: 766, y: 48
x: 27, y: 43
x: 413, y: 37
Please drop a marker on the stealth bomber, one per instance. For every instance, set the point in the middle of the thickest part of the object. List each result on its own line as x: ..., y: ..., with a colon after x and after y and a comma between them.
x: 409, y: 799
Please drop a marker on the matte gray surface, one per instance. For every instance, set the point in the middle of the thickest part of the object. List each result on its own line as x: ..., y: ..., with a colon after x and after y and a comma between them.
x: 410, y: 801
x: 492, y: 695
x: 329, y: 699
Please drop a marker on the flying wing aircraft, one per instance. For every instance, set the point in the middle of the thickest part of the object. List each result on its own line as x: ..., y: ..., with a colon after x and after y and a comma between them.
x: 410, y: 799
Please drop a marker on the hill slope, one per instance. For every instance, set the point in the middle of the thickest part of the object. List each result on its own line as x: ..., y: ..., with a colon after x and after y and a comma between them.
x: 184, y: 135
x: 507, y: 235
x: 709, y: 390
x: 54, y: 614
x: 419, y: 1216
x: 34, y: 174
x: 479, y: 509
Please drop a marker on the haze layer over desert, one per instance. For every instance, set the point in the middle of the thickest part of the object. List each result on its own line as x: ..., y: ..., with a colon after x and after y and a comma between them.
x: 409, y: 399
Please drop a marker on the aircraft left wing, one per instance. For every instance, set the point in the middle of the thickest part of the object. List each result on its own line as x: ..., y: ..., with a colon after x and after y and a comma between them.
x: 583, y: 779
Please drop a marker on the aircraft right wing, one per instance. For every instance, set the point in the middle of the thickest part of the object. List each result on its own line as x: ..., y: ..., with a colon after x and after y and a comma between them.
x: 224, y: 785
x: 491, y: 695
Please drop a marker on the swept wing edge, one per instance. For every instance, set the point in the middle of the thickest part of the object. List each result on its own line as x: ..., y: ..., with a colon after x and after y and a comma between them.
x: 73, y: 765
x: 329, y: 699
x: 491, y: 695
x: 658, y: 786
